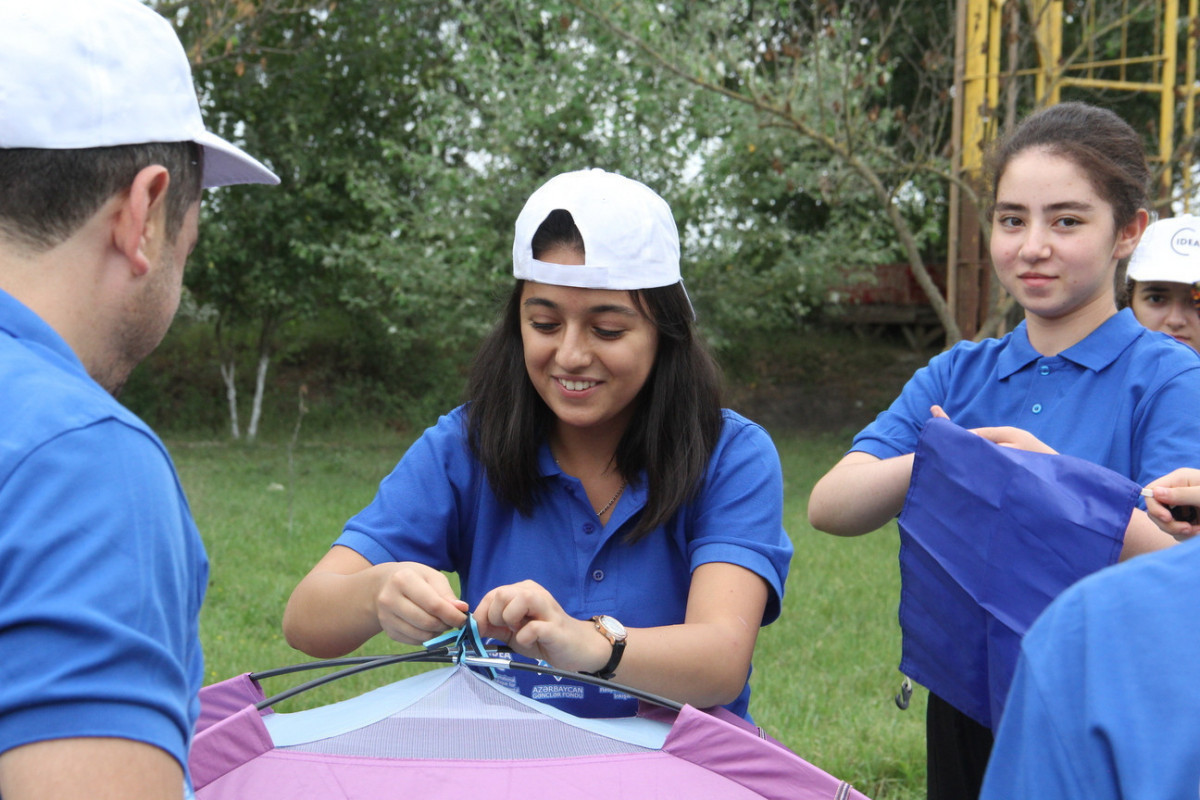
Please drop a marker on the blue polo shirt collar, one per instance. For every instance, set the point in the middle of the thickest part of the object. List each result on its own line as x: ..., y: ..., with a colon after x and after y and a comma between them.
x: 1098, y: 349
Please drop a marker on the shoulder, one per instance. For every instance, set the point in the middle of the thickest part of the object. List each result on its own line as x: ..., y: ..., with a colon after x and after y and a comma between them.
x: 450, y: 432
x: 44, y: 405
x: 1154, y: 352
x: 742, y: 433
x: 985, y: 352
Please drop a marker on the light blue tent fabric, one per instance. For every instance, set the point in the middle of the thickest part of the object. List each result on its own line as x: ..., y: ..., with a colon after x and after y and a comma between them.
x: 989, y: 535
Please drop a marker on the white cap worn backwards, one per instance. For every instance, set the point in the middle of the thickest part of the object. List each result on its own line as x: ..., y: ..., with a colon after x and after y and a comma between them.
x: 77, y: 74
x: 1169, y: 251
x: 629, y: 236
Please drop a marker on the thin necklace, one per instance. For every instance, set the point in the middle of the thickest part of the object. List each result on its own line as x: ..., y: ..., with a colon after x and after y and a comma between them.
x: 609, y: 504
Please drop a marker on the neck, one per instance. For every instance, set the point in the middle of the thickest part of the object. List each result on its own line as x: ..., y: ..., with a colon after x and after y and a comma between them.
x: 65, y: 288
x: 1050, y: 336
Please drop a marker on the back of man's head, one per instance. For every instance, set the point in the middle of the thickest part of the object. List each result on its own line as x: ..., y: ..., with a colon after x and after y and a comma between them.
x: 92, y: 91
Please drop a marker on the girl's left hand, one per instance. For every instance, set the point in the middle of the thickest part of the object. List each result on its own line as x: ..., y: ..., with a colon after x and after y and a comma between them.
x: 527, y: 617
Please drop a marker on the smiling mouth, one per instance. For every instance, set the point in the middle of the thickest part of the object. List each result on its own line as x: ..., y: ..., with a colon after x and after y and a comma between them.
x: 575, y: 386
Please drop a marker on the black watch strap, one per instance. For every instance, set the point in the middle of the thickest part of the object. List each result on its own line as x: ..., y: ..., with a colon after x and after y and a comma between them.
x: 610, y: 669
x: 612, y: 630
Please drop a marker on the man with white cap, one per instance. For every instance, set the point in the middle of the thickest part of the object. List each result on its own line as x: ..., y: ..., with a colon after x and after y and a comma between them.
x: 1164, y: 278
x: 103, y: 155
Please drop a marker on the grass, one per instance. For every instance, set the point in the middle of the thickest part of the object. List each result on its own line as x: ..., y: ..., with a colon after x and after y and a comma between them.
x: 825, y: 672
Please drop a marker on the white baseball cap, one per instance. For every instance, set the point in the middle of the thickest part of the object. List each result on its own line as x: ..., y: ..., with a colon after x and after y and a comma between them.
x: 629, y: 236
x: 1169, y: 251
x: 78, y: 74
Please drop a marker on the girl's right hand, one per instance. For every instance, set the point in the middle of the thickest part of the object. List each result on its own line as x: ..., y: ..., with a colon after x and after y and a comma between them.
x: 415, y: 603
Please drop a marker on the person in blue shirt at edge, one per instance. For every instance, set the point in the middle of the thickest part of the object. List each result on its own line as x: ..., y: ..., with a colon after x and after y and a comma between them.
x: 592, y: 477
x: 103, y: 156
x: 1162, y: 283
x: 1104, y: 703
x: 1076, y: 376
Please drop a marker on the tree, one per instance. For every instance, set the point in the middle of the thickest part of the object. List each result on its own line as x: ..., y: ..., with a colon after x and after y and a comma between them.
x: 326, y: 94
x: 848, y: 147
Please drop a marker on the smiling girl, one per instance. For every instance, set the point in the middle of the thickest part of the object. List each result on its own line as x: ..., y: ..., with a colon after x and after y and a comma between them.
x: 591, y: 477
x: 1076, y: 376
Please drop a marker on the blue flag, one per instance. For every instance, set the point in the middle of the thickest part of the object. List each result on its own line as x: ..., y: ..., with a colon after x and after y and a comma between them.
x: 989, y: 535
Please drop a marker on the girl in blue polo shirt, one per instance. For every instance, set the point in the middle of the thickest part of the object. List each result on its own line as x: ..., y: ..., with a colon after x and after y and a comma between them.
x: 1076, y: 376
x: 601, y: 510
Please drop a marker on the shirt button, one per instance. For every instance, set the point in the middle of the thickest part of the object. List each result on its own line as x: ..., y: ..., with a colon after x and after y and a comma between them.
x: 1037, y: 408
x: 1045, y: 370
x: 598, y: 575
x: 589, y: 527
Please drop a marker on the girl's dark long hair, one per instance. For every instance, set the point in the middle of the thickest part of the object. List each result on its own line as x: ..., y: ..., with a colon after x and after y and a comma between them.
x: 670, y: 438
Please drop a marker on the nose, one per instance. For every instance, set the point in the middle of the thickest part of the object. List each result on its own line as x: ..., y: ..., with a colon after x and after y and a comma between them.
x: 1036, y: 244
x: 1179, y: 314
x: 574, y: 349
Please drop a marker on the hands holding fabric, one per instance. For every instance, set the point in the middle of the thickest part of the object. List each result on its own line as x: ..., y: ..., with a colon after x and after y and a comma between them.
x: 1005, y: 435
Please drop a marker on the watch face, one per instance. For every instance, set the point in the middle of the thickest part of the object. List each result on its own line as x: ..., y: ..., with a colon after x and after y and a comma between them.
x: 612, y: 626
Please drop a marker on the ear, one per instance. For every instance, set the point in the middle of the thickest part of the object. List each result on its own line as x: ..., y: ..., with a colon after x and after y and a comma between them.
x: 141, y: 218
x: 1129, y: 235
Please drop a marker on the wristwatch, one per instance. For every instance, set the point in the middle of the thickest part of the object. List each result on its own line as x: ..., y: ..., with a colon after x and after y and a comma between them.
x: 615, y: 633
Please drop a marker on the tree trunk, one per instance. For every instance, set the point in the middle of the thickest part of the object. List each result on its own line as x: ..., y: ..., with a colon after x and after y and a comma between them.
x: 260, y: 382
x: 227, y: 374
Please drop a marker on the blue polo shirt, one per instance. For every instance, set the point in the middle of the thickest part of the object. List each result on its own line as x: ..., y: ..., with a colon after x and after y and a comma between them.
x: 1104, y: 702
x: 102, y: 571
x: 436, y: 508
x: 1125, y: 397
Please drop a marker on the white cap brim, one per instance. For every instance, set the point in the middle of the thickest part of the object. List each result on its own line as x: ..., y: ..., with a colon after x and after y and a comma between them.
x: 226, y: 164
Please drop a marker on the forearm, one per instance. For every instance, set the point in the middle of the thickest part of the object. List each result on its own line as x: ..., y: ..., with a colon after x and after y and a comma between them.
x: 699, y: 664
x: 97, y: 768
x: 331, y: 614
x: 860, y: 494
x: 1143, y: 536
x: 703, y: 661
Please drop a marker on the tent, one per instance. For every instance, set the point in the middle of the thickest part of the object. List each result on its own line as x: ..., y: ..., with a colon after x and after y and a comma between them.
x: 452, y: 732
x: 989, y: 535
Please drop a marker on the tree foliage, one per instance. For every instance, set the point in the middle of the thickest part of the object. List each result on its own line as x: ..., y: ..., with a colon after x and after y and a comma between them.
x: 836, y: 165
x: 796, y: 142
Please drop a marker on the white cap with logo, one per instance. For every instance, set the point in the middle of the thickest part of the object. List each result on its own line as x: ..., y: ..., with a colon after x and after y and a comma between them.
x: 1169, y: 251
x: 77, y: 74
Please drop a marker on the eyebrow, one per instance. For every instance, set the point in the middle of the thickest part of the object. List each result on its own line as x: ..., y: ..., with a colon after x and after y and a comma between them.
x: 601, y: 309
x: 1066, y: 205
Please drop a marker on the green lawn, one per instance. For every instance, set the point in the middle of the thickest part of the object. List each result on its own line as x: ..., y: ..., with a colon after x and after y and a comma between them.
x: 825, y: 672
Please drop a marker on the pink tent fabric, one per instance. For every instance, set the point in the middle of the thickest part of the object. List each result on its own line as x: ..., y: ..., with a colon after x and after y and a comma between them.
x: 450, y: 731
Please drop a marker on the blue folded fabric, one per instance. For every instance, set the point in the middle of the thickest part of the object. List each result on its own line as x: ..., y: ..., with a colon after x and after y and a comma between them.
x: 989, y: 535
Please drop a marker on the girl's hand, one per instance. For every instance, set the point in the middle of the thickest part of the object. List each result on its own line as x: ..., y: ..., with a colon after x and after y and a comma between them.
x: 528, y: 618
x: 1005, y: 436
x: 1179, y: 490
x: 415, y: 602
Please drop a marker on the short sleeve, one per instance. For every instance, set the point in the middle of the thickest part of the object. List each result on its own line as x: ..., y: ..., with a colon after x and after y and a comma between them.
x: 738, y: 517
x: 896, y: 430
x: 103, y: 577
x: 424, y: 506
x: 1166, y: 433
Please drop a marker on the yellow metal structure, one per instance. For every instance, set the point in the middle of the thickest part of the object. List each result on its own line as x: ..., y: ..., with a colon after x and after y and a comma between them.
x: 1008, y: 49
